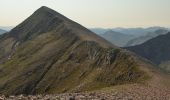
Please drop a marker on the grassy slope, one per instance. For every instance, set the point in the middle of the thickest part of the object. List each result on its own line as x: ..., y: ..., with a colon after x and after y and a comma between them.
x: 46, y: 65
x: 49, y: 53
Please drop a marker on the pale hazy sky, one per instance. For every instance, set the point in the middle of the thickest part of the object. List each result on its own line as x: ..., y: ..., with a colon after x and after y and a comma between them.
x: 93, y: 13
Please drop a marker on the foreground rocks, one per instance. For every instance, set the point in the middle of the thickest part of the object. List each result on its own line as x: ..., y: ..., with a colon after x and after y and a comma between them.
x: 156, y: 89
x: 131, y: 92
x: 74, y: 96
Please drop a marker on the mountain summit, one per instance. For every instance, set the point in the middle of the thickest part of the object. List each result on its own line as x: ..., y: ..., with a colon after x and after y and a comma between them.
x: 43, y: 20
x: 46, y: 20
x: 49, y: 53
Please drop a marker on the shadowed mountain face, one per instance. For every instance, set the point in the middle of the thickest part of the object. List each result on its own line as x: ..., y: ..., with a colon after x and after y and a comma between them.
x: 156, y: 50
x: 117, y: 38
x: 48, y: 53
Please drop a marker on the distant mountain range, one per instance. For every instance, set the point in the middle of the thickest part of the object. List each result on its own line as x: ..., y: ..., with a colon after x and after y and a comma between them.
x: 6, y: 28
x: 2, y: 31
x: 139, y: 31
x: 148, y: 36
x: 156, y: 50
x: 129, y: 31
x: 117, y: 38
x: 130, y: 36
x: 99, y: 30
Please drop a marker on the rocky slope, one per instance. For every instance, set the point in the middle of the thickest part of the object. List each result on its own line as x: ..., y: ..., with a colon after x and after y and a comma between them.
x: 122, y: 92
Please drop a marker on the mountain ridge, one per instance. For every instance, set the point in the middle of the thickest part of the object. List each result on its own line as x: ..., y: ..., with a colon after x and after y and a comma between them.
x: 48, y: 55
x: 42, y: 55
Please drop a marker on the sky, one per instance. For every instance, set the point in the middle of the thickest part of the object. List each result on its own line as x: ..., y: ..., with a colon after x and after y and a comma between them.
x: 93, y: 13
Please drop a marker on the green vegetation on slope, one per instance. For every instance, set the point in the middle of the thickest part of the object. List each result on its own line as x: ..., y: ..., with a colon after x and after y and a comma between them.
x: 46, y: 55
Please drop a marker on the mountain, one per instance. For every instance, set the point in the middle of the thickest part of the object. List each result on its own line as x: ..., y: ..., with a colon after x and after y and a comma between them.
x: 156, y: 50
x: 138, y: 31
x: 154, y: 28
x: 2, y: 31
x: 124, y: 37
x: 117, y: 38
x: 131, y: 31
x: 48, y: 54
x: 99, y: 30
x: 148, y: 36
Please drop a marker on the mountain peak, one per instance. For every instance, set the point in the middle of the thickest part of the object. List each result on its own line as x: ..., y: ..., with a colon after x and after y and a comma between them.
x: 49, y: 12
x: 42, y: 20
x: 46, y: 20
x: 46, y: 9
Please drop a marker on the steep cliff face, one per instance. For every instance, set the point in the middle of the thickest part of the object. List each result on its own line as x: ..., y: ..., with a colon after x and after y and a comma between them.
x: 49, y: 53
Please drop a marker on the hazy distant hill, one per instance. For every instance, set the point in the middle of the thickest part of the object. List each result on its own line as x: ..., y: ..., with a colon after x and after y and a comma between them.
x: 156, y: 50
x: 117, y: 38
x: 6, y: 28
x: 138, y: 31
x: 99, y: 30
x: 148, y: 36
x: 130, y: 36
x: 131, y: 31
x: 2, y: 31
